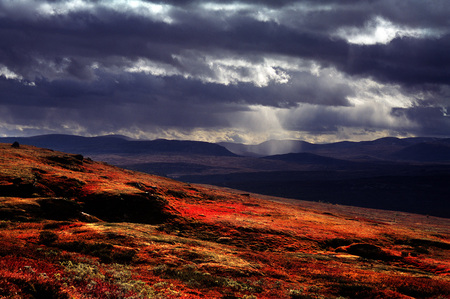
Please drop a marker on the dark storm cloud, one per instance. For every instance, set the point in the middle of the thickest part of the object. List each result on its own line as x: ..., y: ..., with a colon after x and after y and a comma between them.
x: 328, y: 14
x: 86, y: 60
x: 113, y: 107
x: 83, y: 36
x: 121, y: 101
x: 111, y: 38
x: 433, y: 120
x: 407, y: 60
x: 70, y: 51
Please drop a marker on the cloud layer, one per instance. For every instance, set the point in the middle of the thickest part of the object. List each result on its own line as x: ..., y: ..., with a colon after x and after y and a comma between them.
x: 212, y: 70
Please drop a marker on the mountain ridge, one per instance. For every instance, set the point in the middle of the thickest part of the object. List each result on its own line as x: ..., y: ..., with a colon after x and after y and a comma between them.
x: 386, y: 148
x: 118, y: 144
x: 382, y: 148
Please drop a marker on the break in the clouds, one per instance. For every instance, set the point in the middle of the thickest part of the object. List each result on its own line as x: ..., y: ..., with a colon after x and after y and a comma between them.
x: 242, y: 71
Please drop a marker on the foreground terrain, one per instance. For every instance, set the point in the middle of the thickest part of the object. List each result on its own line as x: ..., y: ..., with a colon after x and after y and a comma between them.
x: 74, y: 228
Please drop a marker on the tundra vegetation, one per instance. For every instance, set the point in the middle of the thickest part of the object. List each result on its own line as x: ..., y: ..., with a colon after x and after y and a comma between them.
x: 74, y: 228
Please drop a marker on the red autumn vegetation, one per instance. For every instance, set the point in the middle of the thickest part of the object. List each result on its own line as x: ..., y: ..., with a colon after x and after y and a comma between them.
x: 74, y: 228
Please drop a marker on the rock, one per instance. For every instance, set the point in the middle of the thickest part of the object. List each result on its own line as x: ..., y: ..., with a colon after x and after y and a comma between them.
x: 365, y: 250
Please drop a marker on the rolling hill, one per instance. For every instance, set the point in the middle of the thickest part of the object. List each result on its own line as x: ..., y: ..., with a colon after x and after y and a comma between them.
x: 425, y: 152
x: 74, y: 228
x: 409, y: 175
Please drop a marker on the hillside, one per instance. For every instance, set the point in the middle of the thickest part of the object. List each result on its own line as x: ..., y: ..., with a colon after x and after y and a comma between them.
x: 74, y: 228
x: 409, y: 175
x: 425, y: 152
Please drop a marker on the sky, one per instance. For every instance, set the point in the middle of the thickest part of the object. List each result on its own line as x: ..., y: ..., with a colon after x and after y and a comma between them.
x: 237, y: 71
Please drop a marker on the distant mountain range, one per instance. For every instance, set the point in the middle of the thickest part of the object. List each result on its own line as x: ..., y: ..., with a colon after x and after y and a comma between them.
x: 410, y: 174
x: 119, y: 145
x: 419, y: 149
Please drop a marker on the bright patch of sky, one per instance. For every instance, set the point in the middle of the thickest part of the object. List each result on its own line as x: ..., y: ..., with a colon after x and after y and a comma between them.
x: 61, y: 8
x: 369, y: 91
x: 232, y: 71
x: 278, y: 15
x: 31, y: 9
x: 223, y: 70
x: 262, y: 13
x: 155, y: 11
x: 381, y: 31
x: 154, y: 68
x: 226, y: 6
x: 8, y: 74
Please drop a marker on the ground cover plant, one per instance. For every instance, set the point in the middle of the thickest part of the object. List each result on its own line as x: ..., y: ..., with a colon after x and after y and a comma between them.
x: 74, y: 228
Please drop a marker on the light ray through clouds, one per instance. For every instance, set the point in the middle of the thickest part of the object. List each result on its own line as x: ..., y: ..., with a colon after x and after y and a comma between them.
x: 245, y: 71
